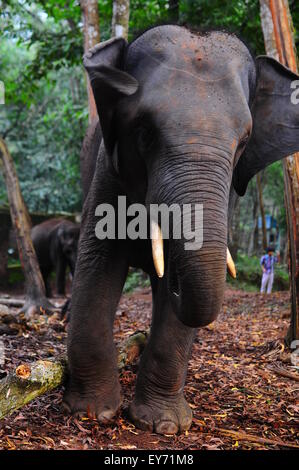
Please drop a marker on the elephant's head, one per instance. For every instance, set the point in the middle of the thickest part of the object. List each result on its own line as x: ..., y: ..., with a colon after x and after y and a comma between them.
x: 184, y: 115
x: 68, y: 236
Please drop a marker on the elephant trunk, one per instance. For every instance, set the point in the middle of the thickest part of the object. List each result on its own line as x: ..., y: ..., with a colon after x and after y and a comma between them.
x: 196, y: 282
x: 195, y: 269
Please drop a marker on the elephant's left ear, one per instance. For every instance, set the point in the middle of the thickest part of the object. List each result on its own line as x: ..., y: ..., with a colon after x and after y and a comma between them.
x: 61, y: 233
x: 275, y: 115
x: 109, y: 82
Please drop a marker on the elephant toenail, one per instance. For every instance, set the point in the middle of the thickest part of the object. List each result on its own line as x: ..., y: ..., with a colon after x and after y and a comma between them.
x: 166, y: 427
x: 185, y: 424
x: 65, y: 408
x: 105, y: 415
x: 79, y: 414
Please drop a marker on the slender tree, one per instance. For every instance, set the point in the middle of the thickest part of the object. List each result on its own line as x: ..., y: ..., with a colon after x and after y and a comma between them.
x: 279, y: 43
x: 120, y: 18
x: 262, y: 209
x: 91, y: 33
x: 4, y: 234
x: 236, y: 232
x: 36, y: 300
x: 253, y: 239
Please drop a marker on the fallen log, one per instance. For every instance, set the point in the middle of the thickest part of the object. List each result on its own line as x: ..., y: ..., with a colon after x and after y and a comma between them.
x: 29, y: 381
x: 12, y: 302
x: 8, y: 330
x: 285, y: 373
x: 242, y: 436
x: 9, y: 324
x: 131, y: 348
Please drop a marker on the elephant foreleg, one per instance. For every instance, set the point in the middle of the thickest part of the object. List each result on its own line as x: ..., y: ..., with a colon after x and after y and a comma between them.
x: 159, y: 403
x: 101, y: 270
x: 93, y: 386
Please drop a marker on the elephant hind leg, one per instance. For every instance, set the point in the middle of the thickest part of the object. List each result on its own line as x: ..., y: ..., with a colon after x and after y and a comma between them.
x: 60, y: 276
x: 47, y: 281
x: 159, y: 403
x: 93, y: 385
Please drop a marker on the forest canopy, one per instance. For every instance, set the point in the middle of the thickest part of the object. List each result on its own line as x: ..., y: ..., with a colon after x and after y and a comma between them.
x: 45, y: 113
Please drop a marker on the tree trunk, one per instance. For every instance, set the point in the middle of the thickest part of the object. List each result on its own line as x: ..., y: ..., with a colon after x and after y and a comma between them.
x: 236, y: 230
x: 262, y: 209
x: 120, y: 18
x: 91, y: 33
x: 256, y: 231
x: 279, y: 43
x: 286, y: 251
x: 35, y: 298
x: 233, y: 222
x: 4, y: 233
x: 253, y: 239
x: 256, y: 221
x: 29, y: 381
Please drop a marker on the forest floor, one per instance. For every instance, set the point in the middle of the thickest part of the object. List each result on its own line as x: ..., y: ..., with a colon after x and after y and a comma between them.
x: 234, y: 385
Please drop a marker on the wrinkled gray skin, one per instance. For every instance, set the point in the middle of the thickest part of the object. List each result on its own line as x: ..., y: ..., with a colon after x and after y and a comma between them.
x: 56, y: 242
x: 190, y: 114
x: 88, y: 155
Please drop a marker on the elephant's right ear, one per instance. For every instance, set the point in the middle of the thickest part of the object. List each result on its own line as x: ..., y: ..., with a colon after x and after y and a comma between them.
x: 60, y: 233
x: 275, y: 132
x: 109, y: 83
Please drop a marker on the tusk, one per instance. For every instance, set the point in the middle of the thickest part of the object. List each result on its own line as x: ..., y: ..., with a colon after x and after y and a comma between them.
x: 230, y: 264
x: 157, y: 248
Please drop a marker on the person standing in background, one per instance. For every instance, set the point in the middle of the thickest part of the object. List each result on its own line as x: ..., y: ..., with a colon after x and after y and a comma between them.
x: 267, y: 263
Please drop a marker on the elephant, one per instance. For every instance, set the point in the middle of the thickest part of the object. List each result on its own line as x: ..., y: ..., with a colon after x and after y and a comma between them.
x: 88, y: 155
x: 186, y: 117
x: 55, y: 242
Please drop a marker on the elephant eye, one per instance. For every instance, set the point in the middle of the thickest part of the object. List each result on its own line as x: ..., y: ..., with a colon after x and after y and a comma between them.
x: 145, y: 139
x: 241, y: 147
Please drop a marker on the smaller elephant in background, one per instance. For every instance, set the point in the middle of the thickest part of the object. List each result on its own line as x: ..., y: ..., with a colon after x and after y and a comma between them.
x: 55, y: 242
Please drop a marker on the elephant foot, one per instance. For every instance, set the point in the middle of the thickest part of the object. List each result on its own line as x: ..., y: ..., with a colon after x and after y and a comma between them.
x: 161, y: 416
x: 101, y: 403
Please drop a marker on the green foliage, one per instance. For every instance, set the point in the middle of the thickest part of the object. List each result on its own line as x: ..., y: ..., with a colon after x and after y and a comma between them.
x: 15, y: 274
x: 274, y: 191
x: 294, y: 8
x: 45, y: 115
x: 52, y: 28
x: 44, y: 127
x: 147, y: 13
x: 240, y: 16
x: 136, y: 278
